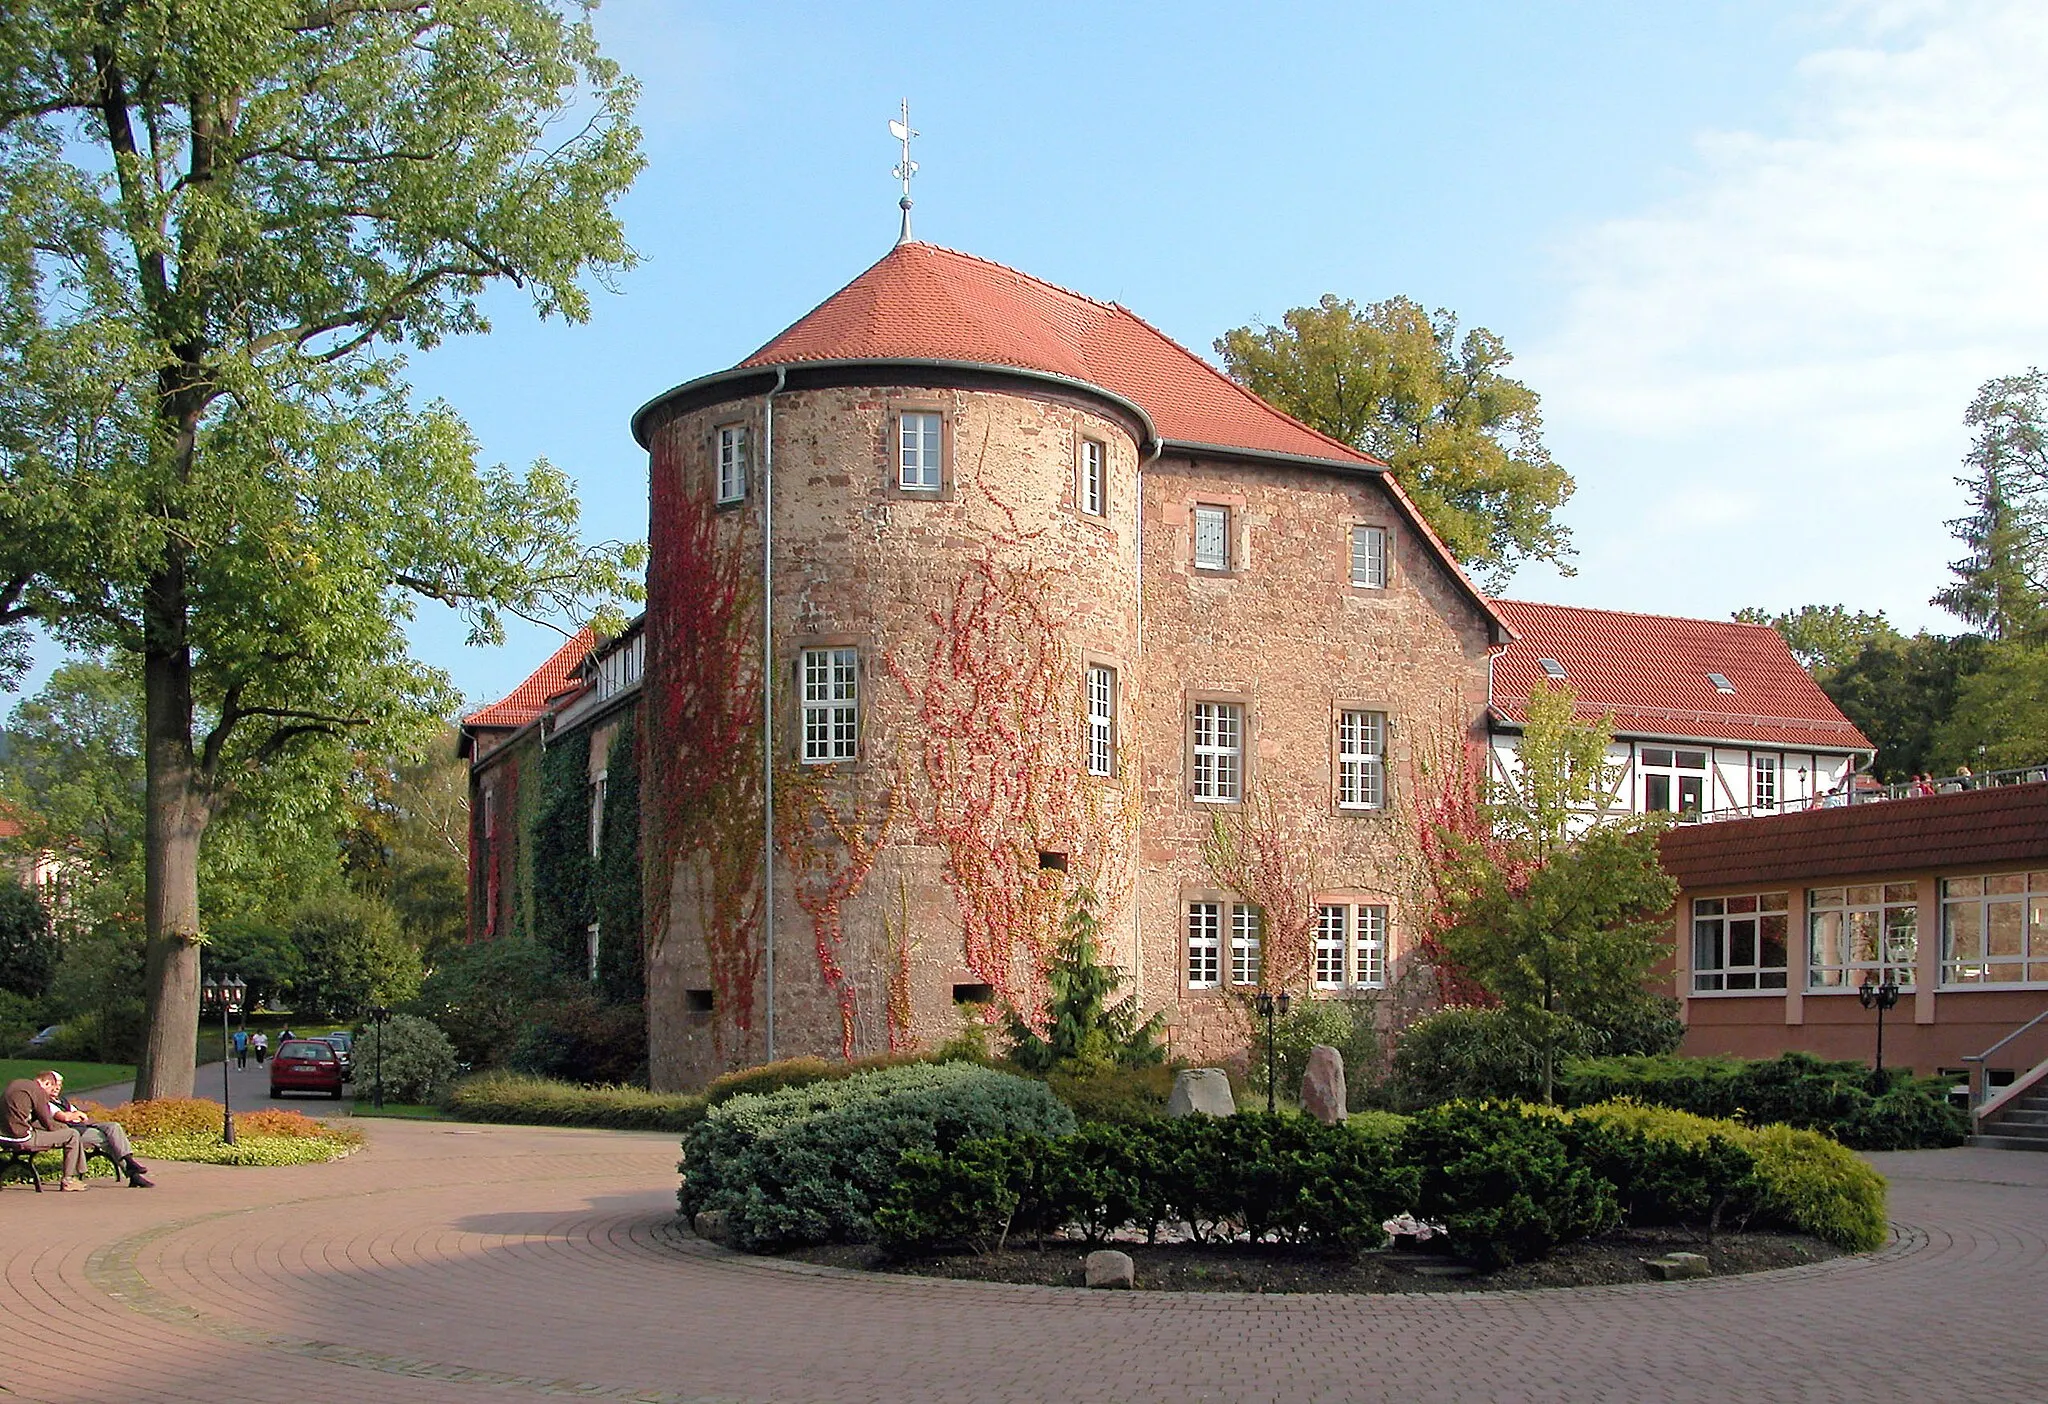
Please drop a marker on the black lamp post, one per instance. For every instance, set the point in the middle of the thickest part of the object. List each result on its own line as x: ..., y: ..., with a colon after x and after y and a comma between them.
x: 1882, y: 997
x: 1272, y: 1006
x: 225, y: 994
x: 378, y: 1014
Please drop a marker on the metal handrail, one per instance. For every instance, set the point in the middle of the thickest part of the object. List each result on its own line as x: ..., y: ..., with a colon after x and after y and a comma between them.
x: 1852, y: 794
x: 1977, y: 1088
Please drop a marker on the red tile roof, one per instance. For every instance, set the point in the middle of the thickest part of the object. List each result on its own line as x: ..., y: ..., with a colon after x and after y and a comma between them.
x: 528, y: 700
x: 922, y: 302
x: 1650, y: 672
x: 2005, y: 825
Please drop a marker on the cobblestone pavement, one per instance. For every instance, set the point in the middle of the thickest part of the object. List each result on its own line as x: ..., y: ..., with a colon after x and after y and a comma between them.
x: 468, y: 1263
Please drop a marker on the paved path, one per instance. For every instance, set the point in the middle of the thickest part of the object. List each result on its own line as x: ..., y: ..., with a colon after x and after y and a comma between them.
x: 503, y: 1264
x: 250, y: 1087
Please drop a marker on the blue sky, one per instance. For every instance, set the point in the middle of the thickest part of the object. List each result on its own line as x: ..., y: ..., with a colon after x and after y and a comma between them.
x: 1755, y: 257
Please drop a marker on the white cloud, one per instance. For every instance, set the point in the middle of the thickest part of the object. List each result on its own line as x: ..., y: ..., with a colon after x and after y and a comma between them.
x: 1803, y: 326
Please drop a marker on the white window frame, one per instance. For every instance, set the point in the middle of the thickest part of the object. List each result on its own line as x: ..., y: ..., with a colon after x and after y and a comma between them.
x: 1674, y: 776
x: 1370, y: 922
x: 732, y: 463
x: 1721, y: 926
x: 2025, y: 897
x: 1217, y: 742
x: 1101, y: 685
x: 1845, y: 920
x: 1093, y: 488
x: 920, y: 451
x: 1211, y: 521
x: 1205, y: 945
x: 1764, y: 790
x: 1369, y: 557
x: 830, y: 682
x: 1247, y: 938
x: 1332, y: 938
x: 599, y: 785
x: 1361, y: 759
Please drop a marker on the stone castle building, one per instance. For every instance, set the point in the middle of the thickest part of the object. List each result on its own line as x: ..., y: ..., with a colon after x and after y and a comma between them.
x: 971, y: 601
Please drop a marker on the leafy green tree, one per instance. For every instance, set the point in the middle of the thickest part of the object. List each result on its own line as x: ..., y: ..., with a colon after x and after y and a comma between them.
x: 1901, y: 694
x: 2000, y: 714
x: 28, y: 947
x: 1825, y: 638
x: 224, y: 216
x: 1465, y: 440
x: 408, y: 841
x: 262, y: 954
x: 1086, y: 1032
x: 351, y: 956
x: 1550, y: 923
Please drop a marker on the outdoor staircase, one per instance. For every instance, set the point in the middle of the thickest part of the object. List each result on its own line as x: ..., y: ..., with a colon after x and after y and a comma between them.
x: 2020, y: 1124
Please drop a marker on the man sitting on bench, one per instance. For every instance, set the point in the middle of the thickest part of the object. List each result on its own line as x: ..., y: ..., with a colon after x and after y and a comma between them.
x: 105, y: 1138
x: 27, y: 1121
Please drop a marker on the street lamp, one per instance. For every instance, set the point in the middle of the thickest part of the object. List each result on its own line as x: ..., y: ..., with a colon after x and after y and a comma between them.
x: 1271, y: 1006
x: 1883, y: 997
x: 225, y: 994
x: 378, y: 1014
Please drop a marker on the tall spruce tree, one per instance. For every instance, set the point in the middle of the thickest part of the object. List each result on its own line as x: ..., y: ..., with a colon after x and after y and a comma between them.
x: 2001, y: 586
x: 224, y: 217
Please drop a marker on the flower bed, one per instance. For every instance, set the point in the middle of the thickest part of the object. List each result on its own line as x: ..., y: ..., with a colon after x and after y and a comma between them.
x: 188, y: 1129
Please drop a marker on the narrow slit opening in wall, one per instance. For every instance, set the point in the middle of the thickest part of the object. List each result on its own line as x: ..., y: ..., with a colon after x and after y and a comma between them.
x: 974, y: 994
x: 698, y: 1001
x: 1052, y: 862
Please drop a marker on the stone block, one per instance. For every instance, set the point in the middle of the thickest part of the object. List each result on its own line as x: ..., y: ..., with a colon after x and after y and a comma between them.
x: 1322, y: 1086
x: 1204, y: 1090
x: 1107, y: 1267
x: 1676, y: 1267
x: 712, y: 1226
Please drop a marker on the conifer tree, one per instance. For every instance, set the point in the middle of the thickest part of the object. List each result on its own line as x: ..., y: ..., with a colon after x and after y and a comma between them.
x: 1999, y: 585
x: 1086, y: 1032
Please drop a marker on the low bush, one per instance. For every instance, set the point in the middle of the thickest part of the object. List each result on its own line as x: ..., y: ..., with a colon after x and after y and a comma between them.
x: 418, y: 1061
x: 1698, y: 1181
x: 808, y: 1164
x: 1802, y: 1180
x: 1347, y: 1025
x: 1794, y: 1089
x: 803, y: 1072
x: 1502, y: 1180
x: 537, y: 1101
x: 1466, y: 1054
x: 582, y: 1038
x: 162, y: 1116
x: 1116, y: 1096
x: 1280, y: 1177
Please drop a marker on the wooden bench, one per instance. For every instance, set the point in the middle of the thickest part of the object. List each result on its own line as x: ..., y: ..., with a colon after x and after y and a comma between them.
x: 14, y: 1153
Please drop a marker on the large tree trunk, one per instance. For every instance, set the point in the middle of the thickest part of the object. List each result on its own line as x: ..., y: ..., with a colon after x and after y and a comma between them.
x: 177, y: 807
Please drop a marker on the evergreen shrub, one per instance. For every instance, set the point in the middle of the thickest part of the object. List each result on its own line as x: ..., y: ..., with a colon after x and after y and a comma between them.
x: 1468, y: 1054
x: 1348, y: 1025
x: 418, y: 1062
x: 1116, y: 1096
x: 537, y: 1101
x: 1502, y: 1180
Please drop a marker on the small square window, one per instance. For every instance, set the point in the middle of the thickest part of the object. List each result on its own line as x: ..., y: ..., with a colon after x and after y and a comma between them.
x: 732, y: 463
x: 1094, y: 484
x: 920, y: 444
x: 1212, y: 538
x: 1369, y: 557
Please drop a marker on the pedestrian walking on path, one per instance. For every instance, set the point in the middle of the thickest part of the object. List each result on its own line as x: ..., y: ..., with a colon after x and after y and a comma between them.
x: 261, y: 1043
x: 241, y: 1048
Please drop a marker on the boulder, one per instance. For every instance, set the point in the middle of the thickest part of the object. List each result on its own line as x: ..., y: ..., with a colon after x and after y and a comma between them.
x: 712, y: 1226
x: 1109, y: 1268
x: 1322, y: 1086
x: 1675, y: 1267
x: 1204, y: 1090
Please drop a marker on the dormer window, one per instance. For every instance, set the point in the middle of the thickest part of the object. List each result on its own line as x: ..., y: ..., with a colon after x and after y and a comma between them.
x: 1721, y: 684
x: 1552, y: 669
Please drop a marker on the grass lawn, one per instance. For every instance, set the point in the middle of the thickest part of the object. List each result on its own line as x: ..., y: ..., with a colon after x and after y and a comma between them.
x: 405, y: 1111
x: 78, y: 1077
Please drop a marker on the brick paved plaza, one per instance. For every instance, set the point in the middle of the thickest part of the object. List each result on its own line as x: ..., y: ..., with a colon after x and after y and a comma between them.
x: 449, y: 1262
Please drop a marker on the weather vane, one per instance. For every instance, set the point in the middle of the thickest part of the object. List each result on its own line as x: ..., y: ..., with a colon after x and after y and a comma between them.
x: 901, y: 129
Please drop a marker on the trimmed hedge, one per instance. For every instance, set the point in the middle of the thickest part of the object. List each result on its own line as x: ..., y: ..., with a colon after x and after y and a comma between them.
x: 1507, y: 1181
x: 808, y: 1164
x: 804, y: 1072
x: 537, y: 1101
x: 1795, y: 1089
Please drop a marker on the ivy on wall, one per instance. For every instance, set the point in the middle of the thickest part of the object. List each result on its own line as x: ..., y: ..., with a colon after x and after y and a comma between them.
x: 570, y: 889
x: 615, y: 891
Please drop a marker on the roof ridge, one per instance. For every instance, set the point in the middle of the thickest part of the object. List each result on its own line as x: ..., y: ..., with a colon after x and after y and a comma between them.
x: 1631, y: 613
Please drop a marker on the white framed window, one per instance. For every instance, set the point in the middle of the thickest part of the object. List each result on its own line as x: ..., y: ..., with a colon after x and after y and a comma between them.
x: 831, y: 684
x: 732, y: 463
x: 1205, y: 945
x: 1369, y: 557
x: 920, y: 449
x: 1332, y: 926
x: 1101, y: 720
x: 1218, y: 752
x: 1212, y: 538
x: 1369, y: 947
x: 1094, y: 485
x: 1994, y: 930
x: 1871, y: 930
x: 1361, y: 760
x: 1740, y: 943
x: 598, y: 789
x: 1672, y: 781
x: 593, y: 941
x: 1247, y: 926
x: 1763, y: 782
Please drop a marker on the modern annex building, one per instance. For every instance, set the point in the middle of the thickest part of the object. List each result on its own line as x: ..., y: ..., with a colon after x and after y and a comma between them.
x: 968, y: 596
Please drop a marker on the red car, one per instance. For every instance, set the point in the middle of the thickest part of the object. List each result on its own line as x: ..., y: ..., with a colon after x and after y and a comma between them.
x: 306, y: 1065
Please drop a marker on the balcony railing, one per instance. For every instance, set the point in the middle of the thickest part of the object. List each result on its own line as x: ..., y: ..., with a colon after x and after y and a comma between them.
x: 1862, y: 789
